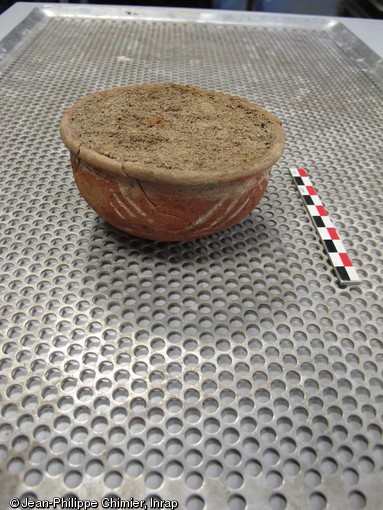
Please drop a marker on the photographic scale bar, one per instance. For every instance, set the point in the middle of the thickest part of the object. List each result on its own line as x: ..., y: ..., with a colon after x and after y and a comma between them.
x: 344, y: 270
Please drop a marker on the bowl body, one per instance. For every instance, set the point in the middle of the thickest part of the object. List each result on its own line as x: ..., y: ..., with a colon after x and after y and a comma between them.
x: 168, y: 212
x: 157, y: 206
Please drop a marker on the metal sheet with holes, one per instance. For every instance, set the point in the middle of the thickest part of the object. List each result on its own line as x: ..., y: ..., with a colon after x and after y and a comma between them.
x: 227, y: 372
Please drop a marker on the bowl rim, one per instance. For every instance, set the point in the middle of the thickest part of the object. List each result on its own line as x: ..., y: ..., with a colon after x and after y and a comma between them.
x: 122, y: 169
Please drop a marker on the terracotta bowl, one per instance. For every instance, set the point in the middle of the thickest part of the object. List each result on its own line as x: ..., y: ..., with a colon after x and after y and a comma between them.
x: 170, y: 162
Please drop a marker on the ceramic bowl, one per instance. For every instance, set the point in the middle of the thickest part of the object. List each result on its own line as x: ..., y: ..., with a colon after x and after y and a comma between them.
x: 153, y: 202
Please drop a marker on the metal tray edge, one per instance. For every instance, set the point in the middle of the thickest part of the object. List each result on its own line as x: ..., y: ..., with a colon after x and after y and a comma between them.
x: 361, y: 54
x: 20, y: 31
x: 187, y: 15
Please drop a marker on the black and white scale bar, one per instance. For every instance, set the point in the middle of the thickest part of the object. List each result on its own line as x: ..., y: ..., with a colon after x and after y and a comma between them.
x: 341, y: 262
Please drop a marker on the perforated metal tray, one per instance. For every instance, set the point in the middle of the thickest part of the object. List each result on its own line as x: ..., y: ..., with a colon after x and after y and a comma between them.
x: 229, y: 372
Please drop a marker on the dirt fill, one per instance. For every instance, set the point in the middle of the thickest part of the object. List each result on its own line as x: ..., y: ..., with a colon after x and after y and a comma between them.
x: 174, y: 127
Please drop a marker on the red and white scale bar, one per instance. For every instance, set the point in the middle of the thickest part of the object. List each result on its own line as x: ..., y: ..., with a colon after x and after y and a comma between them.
x: 341, y: 262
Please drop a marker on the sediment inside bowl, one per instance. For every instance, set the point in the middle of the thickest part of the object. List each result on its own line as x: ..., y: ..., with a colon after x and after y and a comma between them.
x: 184, y: 132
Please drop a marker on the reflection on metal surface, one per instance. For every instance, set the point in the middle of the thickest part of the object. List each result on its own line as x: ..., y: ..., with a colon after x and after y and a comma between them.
x: 228, y: 371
